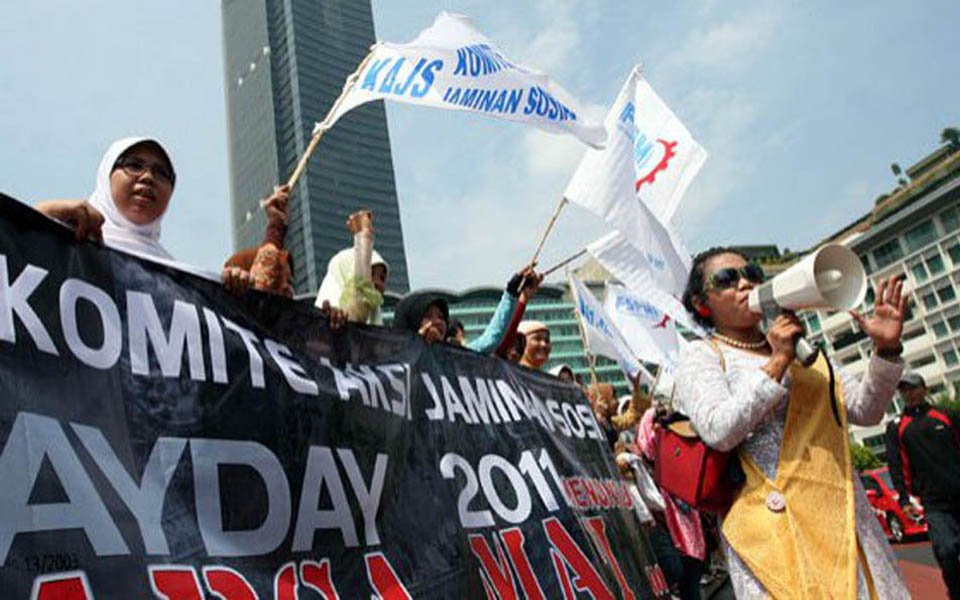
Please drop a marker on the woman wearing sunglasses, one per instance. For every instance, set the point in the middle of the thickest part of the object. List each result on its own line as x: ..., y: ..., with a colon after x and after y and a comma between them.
x: 800, y: 526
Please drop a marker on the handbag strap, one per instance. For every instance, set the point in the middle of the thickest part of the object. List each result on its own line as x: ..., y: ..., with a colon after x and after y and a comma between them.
x: 716, y: 348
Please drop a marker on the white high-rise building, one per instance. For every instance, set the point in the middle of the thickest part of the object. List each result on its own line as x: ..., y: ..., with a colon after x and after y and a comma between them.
x: 913, y: 234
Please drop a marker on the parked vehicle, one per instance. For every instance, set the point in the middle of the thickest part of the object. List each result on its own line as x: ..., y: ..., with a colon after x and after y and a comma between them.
x: 884, y: 499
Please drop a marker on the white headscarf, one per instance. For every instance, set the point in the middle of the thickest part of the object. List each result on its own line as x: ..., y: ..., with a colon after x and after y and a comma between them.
x: 118, y: 231
x: 339, y: 271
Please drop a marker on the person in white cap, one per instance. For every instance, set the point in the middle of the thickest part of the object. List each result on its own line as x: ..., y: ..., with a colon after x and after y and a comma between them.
x: 537, y: 351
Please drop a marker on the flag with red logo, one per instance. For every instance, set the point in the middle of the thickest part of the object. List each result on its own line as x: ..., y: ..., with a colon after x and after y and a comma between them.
x: 650, y: 332
x: 635, y: 184
x: 650, y: 158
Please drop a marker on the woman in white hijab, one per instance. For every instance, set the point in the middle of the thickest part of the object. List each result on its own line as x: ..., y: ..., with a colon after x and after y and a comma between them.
x: 135, y: 182
x: 356, y: 277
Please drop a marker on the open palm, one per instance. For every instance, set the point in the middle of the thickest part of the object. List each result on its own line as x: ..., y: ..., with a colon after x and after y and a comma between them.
x: 885, y: 325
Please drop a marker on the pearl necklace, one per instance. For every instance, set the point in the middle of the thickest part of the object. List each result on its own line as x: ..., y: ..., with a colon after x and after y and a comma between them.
x: 738, y: 344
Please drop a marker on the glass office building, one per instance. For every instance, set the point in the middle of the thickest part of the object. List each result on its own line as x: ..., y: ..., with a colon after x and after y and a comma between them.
x: 285, y: 62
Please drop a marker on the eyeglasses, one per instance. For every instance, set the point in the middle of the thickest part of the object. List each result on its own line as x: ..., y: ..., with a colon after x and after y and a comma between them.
x: 135, y: 167
x: 725, y: 279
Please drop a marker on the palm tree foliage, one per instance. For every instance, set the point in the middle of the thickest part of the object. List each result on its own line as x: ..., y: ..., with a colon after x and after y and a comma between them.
x: 951, y: 137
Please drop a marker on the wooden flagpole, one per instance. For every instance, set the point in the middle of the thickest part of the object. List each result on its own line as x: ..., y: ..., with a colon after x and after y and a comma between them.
x: 592, y: 360
x: 546, y: 232
x: 656, y: 380
x: 564, y: 262
x: 323, y: 126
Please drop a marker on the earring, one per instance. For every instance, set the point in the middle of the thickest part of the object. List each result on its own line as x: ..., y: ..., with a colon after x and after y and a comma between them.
x: 703, y: 311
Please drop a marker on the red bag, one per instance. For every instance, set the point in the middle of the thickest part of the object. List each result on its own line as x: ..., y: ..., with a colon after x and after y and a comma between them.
x: 685, y: 467
x: 690, y: 470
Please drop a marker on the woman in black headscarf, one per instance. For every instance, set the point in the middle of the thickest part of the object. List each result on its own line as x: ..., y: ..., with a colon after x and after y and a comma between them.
x: 424, y: 313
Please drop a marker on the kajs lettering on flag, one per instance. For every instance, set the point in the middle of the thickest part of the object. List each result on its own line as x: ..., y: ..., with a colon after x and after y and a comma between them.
x: 452, y: 65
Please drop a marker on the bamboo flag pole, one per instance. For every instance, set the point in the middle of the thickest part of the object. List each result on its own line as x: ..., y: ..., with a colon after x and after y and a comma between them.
x: 564, y: 262
x: 592, y: 360
x: 546, y: 232
x: 323, y: 125
x: 656, y: 380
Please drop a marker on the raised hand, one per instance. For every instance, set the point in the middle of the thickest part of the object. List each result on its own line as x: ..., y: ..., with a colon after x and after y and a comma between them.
x: 531, y: 284
x: 430, y: 333
x: 276, y: 205
x: 235, y: 280
x: 885, y: 326
x: 362, y: 220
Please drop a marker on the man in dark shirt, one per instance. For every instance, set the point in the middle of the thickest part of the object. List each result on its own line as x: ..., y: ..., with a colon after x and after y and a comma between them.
x: 923, y: 450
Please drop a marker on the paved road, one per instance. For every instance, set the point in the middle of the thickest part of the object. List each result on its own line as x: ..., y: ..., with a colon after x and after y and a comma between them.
x: 920, y: 570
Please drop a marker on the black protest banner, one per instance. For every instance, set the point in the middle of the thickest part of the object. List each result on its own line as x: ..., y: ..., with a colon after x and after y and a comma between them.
x: 161, y: 438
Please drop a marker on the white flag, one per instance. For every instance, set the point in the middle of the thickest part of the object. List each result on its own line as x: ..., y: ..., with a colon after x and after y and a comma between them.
x: 651, y: 333
x: 649, y: 154
x: 600, y: 334
x: 666, y: 158
x: 452, y: 65
x: 626, y: 263
x: 606, y: 183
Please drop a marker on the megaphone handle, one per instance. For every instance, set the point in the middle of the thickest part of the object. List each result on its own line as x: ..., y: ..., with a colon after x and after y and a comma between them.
x: 805, y: 351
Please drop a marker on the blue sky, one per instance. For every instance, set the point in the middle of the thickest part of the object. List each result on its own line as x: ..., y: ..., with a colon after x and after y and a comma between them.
x: 802, y: 107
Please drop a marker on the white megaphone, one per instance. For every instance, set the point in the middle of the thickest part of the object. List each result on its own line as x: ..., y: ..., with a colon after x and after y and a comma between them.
x: 830, y: 278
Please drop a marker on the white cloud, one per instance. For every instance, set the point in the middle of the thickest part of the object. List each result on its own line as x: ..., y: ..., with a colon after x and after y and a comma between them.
x: 853, y: 200
x: 728, y: 45
x: 722, y: 121
x: 556, y: 156
x: 552, y: 47
x: 551, y: 155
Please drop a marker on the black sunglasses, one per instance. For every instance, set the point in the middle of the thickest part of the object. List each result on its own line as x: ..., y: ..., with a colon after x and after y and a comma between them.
x: 725, y: 279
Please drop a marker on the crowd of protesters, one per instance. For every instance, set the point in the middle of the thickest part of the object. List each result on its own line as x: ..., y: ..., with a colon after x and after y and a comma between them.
x: 799, y: 523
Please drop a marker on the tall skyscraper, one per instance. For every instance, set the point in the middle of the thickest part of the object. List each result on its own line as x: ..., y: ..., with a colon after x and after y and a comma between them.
x: 285, y: 62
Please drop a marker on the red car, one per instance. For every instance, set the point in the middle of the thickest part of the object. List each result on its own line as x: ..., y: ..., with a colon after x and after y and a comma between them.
x: 883, y: 498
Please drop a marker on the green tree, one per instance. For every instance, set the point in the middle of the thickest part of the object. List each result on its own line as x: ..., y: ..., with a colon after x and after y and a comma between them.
x: 863, y: 458
x: 898, y: 172
x: 944, y: 401
x: 951, y: 137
